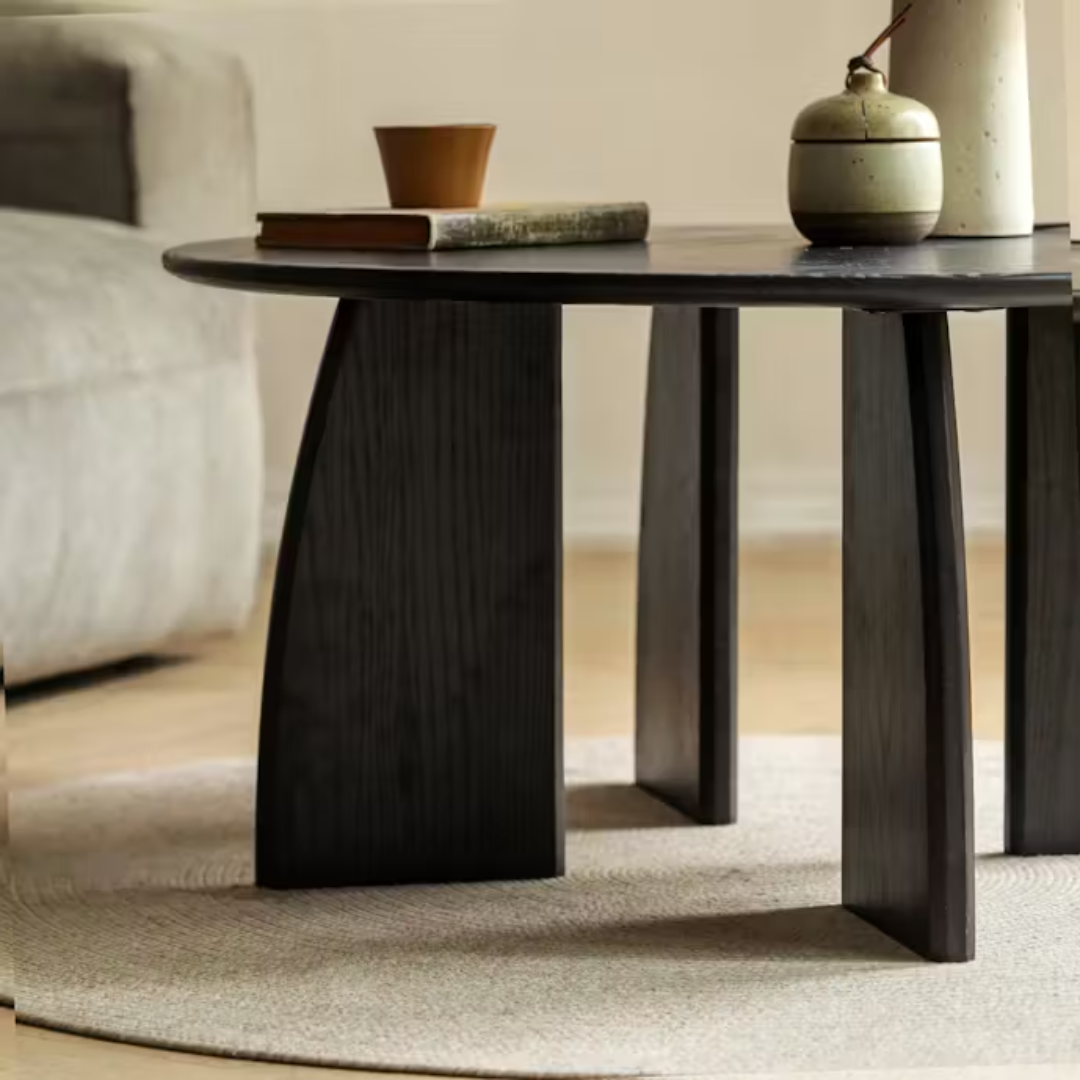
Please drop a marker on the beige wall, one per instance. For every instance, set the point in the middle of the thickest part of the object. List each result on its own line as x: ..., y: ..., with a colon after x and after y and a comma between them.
x: 1072, y: 51
x: 687, y: 104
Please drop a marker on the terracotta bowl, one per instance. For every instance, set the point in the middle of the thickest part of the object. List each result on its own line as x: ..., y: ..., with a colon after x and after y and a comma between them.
x: 436, y: 168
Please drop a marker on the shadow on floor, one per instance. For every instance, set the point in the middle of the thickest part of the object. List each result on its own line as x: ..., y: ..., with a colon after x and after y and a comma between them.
x: 594, y: 807
x: 810, y: 936
x: 91, y: 678
x: 792, y: 935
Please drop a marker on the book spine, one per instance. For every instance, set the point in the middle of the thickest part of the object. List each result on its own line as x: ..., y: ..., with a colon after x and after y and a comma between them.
x: 589, y: 225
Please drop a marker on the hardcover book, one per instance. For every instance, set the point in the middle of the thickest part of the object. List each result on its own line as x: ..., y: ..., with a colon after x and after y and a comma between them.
x: 440, y: 230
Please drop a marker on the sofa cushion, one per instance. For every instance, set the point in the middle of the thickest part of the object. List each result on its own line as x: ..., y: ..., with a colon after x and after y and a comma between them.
x: 66, y: 119
x: 27, y: 8
x: 84, y: 300
x: 124, y: 121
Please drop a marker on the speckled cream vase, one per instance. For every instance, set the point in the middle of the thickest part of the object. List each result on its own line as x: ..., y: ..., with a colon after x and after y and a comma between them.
x: 967, y: 60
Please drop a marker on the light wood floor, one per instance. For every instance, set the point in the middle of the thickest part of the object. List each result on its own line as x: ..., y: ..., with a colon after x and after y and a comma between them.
x: 207, y: 705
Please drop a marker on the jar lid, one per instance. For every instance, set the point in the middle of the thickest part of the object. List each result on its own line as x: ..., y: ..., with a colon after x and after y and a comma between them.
x: 866, y: 112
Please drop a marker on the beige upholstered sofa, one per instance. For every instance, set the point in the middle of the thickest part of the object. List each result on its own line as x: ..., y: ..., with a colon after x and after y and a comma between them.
x: 130, y: 431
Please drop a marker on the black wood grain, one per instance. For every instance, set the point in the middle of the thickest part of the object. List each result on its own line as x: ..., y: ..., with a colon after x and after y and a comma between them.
x: 1042, y: 730
x: 732, y: 267
x: 411, y: 726
x: 1074, y: 273
x: 907, y: 817
x: 687, y: 622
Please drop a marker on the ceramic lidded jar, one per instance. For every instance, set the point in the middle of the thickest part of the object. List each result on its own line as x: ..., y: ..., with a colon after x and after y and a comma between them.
x: 866, y: 167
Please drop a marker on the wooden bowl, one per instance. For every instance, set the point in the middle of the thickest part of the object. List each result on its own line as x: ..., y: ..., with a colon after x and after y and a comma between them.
x: 436, y: 168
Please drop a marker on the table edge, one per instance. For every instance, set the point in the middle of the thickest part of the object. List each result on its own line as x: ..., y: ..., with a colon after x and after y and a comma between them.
x: 1045, y: 289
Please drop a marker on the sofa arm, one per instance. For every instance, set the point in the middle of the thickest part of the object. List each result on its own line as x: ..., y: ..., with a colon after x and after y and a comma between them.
x: 125, y: 122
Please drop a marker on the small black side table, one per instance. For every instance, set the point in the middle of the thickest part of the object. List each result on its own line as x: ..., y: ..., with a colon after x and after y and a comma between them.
x: 411, y: 725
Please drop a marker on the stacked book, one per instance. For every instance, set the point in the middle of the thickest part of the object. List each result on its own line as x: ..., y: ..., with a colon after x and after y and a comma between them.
x: 529, y: 225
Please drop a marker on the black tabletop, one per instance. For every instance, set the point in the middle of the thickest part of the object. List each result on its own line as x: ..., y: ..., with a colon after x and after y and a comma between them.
x: 744, y: 267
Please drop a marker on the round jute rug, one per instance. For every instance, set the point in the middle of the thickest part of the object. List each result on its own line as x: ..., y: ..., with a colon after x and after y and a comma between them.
x: 667, y: 949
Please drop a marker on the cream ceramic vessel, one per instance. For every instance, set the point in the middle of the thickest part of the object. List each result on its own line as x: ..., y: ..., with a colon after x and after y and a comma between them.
x: 967, y: 60
x: 866, y: 167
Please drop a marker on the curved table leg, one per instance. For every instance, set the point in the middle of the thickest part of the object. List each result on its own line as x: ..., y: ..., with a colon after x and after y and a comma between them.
x: 1042, y: 673
x: 411, y: 721
x: 907, y: 816
x: 687, y: 565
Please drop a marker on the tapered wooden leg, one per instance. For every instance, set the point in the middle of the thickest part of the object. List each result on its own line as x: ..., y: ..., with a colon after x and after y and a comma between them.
x: 687, y: 610
x: 907, y: 814
x: 1042, y: 731
x: 411, y: 722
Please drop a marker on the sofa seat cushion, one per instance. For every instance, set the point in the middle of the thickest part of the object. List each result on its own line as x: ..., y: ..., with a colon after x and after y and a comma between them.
x: 83, y: 300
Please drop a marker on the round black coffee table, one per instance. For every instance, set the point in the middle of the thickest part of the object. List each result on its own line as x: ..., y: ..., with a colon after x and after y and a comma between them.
x: 411, y: 725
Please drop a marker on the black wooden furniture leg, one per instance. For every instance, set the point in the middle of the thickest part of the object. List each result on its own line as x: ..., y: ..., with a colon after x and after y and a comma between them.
x: 907, y: 815
x: 687, y: 610
x: 1042, y: 730
x: 411, y: 721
